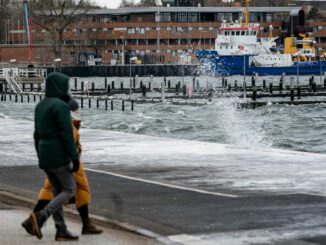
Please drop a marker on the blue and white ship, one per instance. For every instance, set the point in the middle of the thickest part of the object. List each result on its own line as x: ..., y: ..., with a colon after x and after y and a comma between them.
x: 238, y: 51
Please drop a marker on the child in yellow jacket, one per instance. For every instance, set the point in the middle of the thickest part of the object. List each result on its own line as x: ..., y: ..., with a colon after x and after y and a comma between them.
x: 82, y: 197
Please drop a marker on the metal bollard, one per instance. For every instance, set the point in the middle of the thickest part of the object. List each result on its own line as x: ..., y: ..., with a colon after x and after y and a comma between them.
x: 106, y: 105
x: 132, y: 105
x: 123, y: 105
x: 89, y: 103
x: 82, y: 86
x: 81, y: 102
x: 111, y: 105
x: 34, y: 98
x: 76, y: 83
x: 264, y: 84
x: 97, y: 103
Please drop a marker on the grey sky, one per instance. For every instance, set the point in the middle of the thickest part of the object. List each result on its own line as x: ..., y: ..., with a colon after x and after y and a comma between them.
x: 109, y: 3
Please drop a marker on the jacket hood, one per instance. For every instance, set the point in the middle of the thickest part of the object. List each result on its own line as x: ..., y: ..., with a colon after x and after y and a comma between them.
x: 57, y: 85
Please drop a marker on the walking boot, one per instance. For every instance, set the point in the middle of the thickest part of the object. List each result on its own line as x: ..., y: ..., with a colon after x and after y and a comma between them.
x: 89, y: 228
x: 65, y: 235
x: 34, y: 224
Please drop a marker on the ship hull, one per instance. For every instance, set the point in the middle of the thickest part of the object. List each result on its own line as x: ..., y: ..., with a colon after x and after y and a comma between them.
x: 242, y: 64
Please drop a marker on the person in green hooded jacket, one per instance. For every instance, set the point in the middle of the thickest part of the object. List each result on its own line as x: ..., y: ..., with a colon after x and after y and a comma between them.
x: 56, y: 149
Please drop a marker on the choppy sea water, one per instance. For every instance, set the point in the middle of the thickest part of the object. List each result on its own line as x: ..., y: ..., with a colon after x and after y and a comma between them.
x: 299, y: 127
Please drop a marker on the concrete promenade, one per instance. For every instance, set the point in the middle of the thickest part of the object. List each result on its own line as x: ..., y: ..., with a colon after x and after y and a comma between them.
x: 12, y: 234
x: 185, y: 192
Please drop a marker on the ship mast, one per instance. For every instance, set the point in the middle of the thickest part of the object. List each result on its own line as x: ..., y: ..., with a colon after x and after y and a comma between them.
x: 246, y: 13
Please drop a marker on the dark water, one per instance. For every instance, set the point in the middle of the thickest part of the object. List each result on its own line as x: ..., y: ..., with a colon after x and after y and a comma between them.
x: 300, y: 127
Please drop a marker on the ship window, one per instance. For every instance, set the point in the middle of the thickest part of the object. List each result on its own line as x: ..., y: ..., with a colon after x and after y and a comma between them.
x: 243, y: 33
x: 247, y: 33
x: 232, y: 33
x: 238, y: 33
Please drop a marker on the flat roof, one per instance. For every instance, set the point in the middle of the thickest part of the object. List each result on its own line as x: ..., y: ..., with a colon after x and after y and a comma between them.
x: 148, y: 10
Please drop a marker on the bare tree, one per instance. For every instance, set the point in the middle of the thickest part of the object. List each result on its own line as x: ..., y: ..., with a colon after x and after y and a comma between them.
x: 147, y: 3
x: 4, y: 13
x: 127, y: 4
x: 56, y: 15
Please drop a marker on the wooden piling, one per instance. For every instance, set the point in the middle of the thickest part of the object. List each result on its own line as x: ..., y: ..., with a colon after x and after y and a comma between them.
x: 271, y: 88
x: 106, y: 104
x: 81, y: 102
x: 132, y: 105
x: 111, y: 105
x: 292, y: 94
x: 112, y: 84
x: 76, y: 83
x: 299, y: 92
x: 89, y: 103
x: 97, y: 103
x: 123, y: 105
x: 108, y: 89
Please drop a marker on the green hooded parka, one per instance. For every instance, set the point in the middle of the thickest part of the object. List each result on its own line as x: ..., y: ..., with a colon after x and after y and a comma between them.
x: 53, y: 135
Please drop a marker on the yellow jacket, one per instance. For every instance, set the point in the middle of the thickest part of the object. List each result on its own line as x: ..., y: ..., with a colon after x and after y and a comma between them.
x: 83, y: 196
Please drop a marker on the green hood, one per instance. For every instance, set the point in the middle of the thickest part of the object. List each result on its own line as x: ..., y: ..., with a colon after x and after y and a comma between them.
x: 57, y: 85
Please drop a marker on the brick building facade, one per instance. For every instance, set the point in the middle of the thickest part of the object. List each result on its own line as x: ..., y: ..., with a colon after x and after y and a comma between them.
x: 154, y: 35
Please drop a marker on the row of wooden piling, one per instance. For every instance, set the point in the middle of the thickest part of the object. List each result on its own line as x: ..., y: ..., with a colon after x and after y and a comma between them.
x: 83, y: 101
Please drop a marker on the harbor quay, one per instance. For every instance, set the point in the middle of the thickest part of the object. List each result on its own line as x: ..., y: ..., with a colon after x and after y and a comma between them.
x: 165, y: 190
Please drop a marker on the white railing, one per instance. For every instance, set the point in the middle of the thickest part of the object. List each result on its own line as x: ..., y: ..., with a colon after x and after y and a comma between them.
x: 14, y: 83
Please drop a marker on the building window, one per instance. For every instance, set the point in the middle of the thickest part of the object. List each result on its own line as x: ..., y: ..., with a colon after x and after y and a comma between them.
x: 165, y: 17
x: 131, y: 30
x: 182, y: 17
x: 193, y: 17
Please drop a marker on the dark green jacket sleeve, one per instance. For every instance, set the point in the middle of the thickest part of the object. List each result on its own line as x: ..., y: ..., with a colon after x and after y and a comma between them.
x: 63, y: 119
